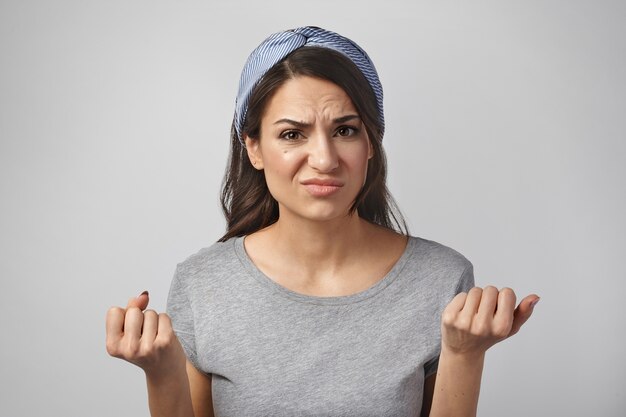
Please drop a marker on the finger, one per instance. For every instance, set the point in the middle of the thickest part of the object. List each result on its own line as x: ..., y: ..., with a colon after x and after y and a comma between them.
x: 451, y: 312
x: 114, y: 328
x: 141, y: 301
x: 150, y: 326
x: 165, y: 330
x: 133, y: 323
x: 503, y: 318
x: 115, y: 322
x: 523, y: 312
x: 473, y: 301
x: 456, y: 305
x: 506, y: 300
x: 488, y: 302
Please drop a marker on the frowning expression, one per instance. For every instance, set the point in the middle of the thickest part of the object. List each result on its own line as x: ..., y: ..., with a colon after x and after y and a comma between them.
x: 313, y: 149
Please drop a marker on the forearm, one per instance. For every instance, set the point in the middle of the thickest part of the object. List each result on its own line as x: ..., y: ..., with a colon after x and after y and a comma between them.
x: 457, y: 385
x: 169, y: 396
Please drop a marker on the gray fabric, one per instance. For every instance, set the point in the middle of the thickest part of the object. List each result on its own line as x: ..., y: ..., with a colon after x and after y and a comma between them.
x: 275, y: 352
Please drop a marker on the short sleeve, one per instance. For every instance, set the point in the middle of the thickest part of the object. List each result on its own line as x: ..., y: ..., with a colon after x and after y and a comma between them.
x: 465, y: 283
x: 180, y: 312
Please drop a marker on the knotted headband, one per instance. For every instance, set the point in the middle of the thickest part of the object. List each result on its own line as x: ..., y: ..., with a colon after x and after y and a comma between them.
x: 277, y: 46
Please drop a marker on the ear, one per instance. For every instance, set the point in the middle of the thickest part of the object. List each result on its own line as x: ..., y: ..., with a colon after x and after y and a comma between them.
x: 253, y: 149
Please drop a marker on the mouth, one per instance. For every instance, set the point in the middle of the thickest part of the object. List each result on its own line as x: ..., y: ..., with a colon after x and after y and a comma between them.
x: 322, y: 187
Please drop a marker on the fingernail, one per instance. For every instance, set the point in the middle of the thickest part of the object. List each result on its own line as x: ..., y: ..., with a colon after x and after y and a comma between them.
x: 143, y: 293
x: 534, y: 303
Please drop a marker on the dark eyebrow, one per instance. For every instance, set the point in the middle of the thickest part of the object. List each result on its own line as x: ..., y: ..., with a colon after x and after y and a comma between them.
x: 292, y: 122
x: 346, y: 118
x: 301, y: 125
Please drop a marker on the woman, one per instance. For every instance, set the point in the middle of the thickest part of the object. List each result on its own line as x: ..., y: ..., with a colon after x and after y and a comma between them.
x: 315, y: 301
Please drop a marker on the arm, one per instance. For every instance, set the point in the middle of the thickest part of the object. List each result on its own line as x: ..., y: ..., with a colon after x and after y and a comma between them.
x: 169, y: 395
x: 471, y: 324
x: 147, y: 340
x: 201, y: 396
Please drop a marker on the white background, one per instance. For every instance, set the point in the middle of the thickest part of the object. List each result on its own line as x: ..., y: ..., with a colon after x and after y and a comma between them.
x: 506, y: 140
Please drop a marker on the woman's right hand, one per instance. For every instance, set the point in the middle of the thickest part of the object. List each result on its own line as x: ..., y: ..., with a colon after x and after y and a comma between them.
x: 144, y: 338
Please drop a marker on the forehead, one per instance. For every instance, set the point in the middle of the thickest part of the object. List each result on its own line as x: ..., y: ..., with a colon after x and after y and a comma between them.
x: 304, y: 96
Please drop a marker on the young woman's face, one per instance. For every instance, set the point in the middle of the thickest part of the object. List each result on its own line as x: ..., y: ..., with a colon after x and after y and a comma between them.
x: 313, y: 148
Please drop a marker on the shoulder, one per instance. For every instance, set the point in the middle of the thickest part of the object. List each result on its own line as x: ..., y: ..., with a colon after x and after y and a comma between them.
x: 437, y: 254
x: 438, y: 264
x: 215, y: 258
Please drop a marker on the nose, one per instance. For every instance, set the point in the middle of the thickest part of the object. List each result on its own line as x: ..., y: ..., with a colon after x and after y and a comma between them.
x: 322, y: 154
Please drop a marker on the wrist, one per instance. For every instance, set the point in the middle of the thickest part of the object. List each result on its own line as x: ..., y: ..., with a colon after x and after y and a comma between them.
x: 161, y: 376
x: 457, y: 386
x: 169, y: 394
x: 463, y: 358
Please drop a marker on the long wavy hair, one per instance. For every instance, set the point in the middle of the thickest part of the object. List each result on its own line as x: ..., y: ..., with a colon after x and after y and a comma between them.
x: 246, y: 201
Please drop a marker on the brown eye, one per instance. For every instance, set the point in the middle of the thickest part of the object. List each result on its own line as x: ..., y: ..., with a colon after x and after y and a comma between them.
x: 290, y: 135
x: 346, y: 131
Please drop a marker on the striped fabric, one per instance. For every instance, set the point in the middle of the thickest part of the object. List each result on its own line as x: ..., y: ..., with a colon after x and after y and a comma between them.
x: 276, y: 47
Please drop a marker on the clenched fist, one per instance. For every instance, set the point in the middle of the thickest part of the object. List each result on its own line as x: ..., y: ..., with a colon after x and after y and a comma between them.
x: 476, y: 320
x: 144, y: 338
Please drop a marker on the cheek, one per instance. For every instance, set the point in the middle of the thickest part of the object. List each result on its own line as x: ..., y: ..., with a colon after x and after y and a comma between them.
x: 281, y: 165
x: 357, y: 159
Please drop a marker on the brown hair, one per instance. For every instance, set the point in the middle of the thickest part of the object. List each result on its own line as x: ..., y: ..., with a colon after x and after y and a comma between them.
x: 246, y: 200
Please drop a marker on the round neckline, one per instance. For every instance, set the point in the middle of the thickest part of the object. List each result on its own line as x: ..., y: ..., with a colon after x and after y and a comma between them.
x: 380, y: 285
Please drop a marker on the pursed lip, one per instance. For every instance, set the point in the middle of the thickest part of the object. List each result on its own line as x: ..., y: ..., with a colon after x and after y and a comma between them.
x: 322, y: 182
x: 319, y: 187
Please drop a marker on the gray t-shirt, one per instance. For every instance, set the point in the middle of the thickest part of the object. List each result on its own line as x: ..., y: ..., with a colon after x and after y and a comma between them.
x: 274, y: 352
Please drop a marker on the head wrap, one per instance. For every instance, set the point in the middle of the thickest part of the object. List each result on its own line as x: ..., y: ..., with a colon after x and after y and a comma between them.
x: 277, y: 46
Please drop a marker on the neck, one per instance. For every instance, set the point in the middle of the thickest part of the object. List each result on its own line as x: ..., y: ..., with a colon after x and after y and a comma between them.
x: 320, y: 245
x: 334, y: 257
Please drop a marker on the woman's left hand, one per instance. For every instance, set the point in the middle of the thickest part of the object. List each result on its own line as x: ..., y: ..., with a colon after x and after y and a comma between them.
x: 474, y: 321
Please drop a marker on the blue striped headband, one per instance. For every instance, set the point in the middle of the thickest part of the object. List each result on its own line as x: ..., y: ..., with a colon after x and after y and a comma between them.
x: 276, y: 47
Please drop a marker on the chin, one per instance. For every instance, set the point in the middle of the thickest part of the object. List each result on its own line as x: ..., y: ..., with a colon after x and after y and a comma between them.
x: 326, y: 215
x: 316, y: 212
